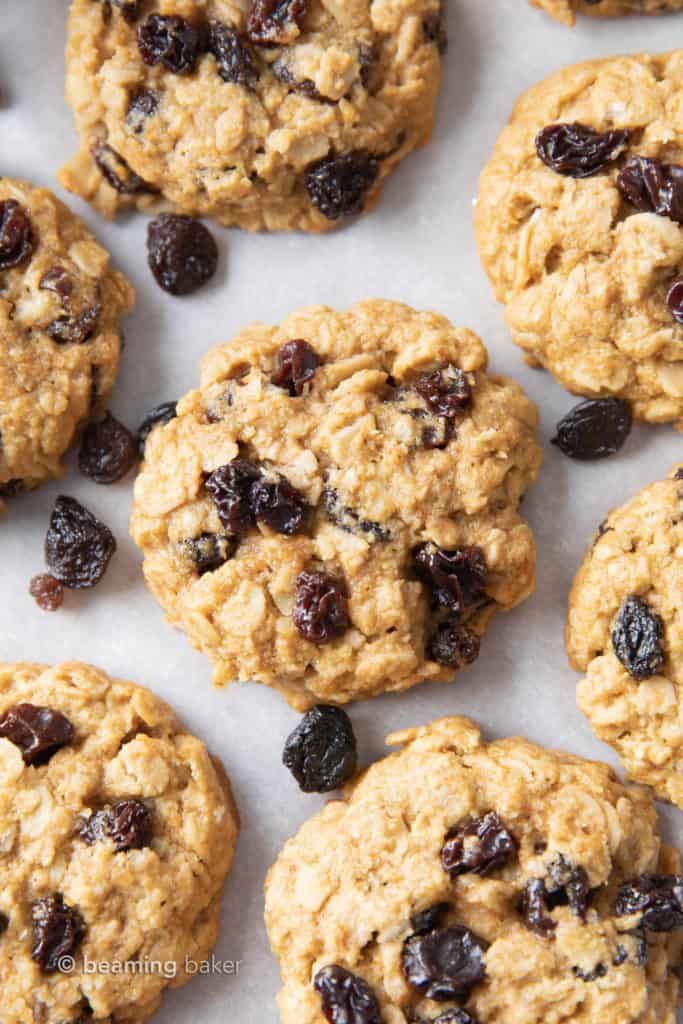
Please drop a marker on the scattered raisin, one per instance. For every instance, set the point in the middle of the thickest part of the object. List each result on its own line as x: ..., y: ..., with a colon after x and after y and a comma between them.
x: 209, y: 551
x: 78, y: 547
x: 297, y: 362
x: 447, y: 392
x: 533, y: 907
x: 156, y: 417
x: 38, y: 732
x: 653, y: 187
x: 230, y: 490
x: 108, y: 451
x: 351, y: 521
x: 142, y: 106
x: 116, y: 171
x: 181, y: 252
x: 478, y: 846
x: 279, y: 505
x: 674, y: 300
x: 171, y: 41
x: 346, y: 998
x: 658, y: 899
x: 74, y: 330
x: 16, y: 234
x: 58, y: 930
x: 429, y: 919
x: 568, y: 886
x: 453, y: 644
x: 47, y: 591
x: 234, y: 58
x: 276, y: 22
x: 444, y: 964
x: 127, y: 823
x: 577, y: 150
x: 337, y: 185
x: 637, y: 638
x: 456, y: 579
x: 321, y: 753
x: 594, y: 429
x: 320, y: 607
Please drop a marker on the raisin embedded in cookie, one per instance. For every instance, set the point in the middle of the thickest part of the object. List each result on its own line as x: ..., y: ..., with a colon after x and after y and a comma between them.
x: 566, y: 10
x: 264, y: 115
x: 624, y: 632
x: 60, y: 306
x: 334, y: 511
x: 462, y: 882
x: 579, y: 225
x: 118, y: 833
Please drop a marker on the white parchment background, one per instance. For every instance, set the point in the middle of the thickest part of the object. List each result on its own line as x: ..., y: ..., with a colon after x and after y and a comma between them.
x: 417, y: 247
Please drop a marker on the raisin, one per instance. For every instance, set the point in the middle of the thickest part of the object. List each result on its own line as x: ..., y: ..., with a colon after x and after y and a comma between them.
x: 78, y: 547
x: 230, y: 490
x: 674, y: 300
x: 577, y: 150
x: 279, y: 505
x: 38, y: 732
x: 478, y: 846
x: 59, y: 281
x: 568, y: 886
x: 130, y: 9
x: 58, y: 930
x: 444, y: 964
x: 636, y: 952
x: 435, y: 30
x: 454, y: 1016
x: 653, y: 187
x: 533, y: 907
x: 337, y: 185
x: 171, y: 41
x: 453, y: 644
x: 321, y: 611
x: 321, y: 753
x: 276, y: 22
x: 599, y: 971
x: 658, y: 899
x: 116, y: 171
x: 4, y: 923
x: 594, y: 429
x: 142, y: 106
x: 108, y: 451
x: 637, y: 639
x: 429, y: 919
x: 156, y: 417
x: 181, y: 252
x: 346, y: 998
x: 446, y: 392
x: 16, y: 234
x: 235, y: 60
x: 11, y: 488
x: 74, y: 330
x: 305, y: 86
x: 456, y: 578
x: 297, y: 362
x: 351, y: 521
x: 127, y: 823
x: 47, y: 591
x: 209, y: 551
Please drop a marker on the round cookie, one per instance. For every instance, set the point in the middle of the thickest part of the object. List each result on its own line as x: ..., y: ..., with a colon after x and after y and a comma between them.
x: 334, y: 511
x: 118, y: 831
x: 624, y: 632
x: 60, y: 305
x: 264, y: 115
x: 584, y: 265
x: 462, y: 882
x: 566, y: 10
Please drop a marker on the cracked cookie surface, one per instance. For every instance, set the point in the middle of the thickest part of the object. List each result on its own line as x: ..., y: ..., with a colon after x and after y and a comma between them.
x: 566, y: 10
x: 118, y: 830
x: 584, y: 274
x: 293, y: 131
x: 632, y: 692
x: 363, y: 885
x: 339, y: 518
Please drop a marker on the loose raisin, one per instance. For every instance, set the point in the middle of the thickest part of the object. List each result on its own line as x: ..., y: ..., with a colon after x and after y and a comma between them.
x: 128, y: 824
x: 321, y: 753
x: 346, y: 998
x: 16, y: 234
x: 78, y: 547
x: 351, y: 521
x: 74, y: 330
x: 658, y: 899
x: 653, y: 187
x: 637, y: 638
x: 276, y: 22
x: 156, y: 417
x: 47, y: 591
x: 116, y: 171
x: 279, y: 505
x: 674, y: 300
x: 446, y: 392
x: 320, y: 607
x: 338, y: 185
x: 533, y: 907
x: 579, y: 151
x: 230, y: 489
x: 234, y: 58
x: 478, y: 845
x: 58, y: 930
x: 181, y: 253
x: 171, y: 41
x: 38, y: 732
x: 456, y: 579
x: 444, y: 964
x: 108, y: 451
x: 209, y: 551
x: 142, y: 106
x: 297, y: 362
x: 429, y: 919
x: 453, y: 644
x: 594, y: 429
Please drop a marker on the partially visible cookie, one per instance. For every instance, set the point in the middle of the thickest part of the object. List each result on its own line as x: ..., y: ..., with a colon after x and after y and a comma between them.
x: 60, y: 307
x: 566, y: 10
x: 335, y: 511
x: 625, y: 632
x: 118, y: 831
x: 461, y: 882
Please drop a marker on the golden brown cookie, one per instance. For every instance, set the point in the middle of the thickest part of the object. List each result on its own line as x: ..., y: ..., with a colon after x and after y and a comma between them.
x: 566, y: 10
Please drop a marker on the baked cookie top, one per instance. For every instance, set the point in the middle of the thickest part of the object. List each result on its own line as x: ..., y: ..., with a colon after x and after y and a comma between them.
x: 334, y: 511
x: 566, y: 10
x: 263, y: 115
x: 473, y: 883
x: 624, y: 631
x: 118, y: 831
x: 579, y: 228
x: 60, y: 306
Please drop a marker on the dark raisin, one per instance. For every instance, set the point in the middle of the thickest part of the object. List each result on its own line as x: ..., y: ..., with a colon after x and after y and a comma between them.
x: 59, y: 281
x: 171, y: 41
x: 444, y: 964
x: 657, y: 899
x: 128, y: 824
x: 429, y: 919
x: 321, y: 611
x: 130, y: 9
x: 321, y: 753
x: 78, y: 547
x: 305, y: 86
x: 568, y: 886
x: 142, y: 106
x: 230, y: 490
x: 4, y: 923
x: 577, y: 150
x: 454, y: 1016
x: 16, y: 234
x: 116, y: 171
x: 346, y: 998
x: 11, y: 488
x: 276, y: 22
x: 637, y: 639
x: 674, y: 300
x: 47, y: 591
x: 478, y: 845
x: 38, y: 732
x: 533, y: 907
x: 74, y: 330
x: 456, y: 579
x: 156, y: 417
x: 349, y: 520
x: 594, y: 429
x: 599, y: 971
x: 453, y: 644
x: 279, y: 505
x: 108, y: 451
x: 653, y: 187
x: 632, y: 948
x: 181, y: 253
x: 234, y: 58
x: 297, y: 362
x: 209, y: 551
x: 337, y: 185
x: 367, y: 58
x: 435, y: 30
x: 58, y: 930
x: 446, y: 392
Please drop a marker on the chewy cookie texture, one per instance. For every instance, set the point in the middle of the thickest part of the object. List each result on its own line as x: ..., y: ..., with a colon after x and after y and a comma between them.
x: 117, y: 833
x: 566, y: 10
x: 267, y: 115
x: 334, y: 511
x: 462, y: 882
x: 579, y: 229
x: 624, y: 632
